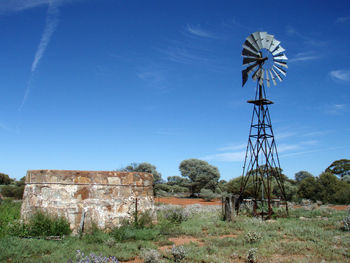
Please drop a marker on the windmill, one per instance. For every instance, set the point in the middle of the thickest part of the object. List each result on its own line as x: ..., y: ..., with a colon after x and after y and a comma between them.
x: 265, y: 61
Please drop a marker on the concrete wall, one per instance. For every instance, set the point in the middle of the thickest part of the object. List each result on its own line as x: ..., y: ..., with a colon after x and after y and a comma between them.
x: 106, y: 198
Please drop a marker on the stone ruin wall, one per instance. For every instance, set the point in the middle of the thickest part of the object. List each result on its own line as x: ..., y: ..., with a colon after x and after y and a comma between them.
x: 104, y: 198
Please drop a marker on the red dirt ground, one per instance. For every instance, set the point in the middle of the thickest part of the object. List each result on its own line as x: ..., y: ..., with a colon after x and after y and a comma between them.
x: 185, y: 201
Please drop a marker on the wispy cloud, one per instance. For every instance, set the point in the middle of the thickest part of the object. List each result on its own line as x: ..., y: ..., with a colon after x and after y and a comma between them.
x: 226, y: 157
x: 343, y: 19
x: 335, y: 108
x: 155, y: 79
x: 20, y: 5
x: 291, y: 31
x: 9, y: 129
x: 304, y: 56
x: 199, y: 31
x: 184, y: 55
x: 233, y: 147
x: 50, y: 27
x: 341, y: 74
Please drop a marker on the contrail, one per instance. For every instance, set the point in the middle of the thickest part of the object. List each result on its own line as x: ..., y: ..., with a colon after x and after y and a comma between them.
x: 50, y: 27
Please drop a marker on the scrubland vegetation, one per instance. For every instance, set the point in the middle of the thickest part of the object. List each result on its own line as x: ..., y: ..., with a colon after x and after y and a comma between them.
x: 191, y: 234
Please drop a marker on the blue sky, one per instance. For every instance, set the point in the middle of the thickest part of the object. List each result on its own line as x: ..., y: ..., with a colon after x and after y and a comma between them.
x: 96, y: 85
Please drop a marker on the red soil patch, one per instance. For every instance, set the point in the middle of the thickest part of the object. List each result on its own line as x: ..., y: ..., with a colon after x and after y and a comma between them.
x: 185, y: 201
x: 179, y: 241
x: 339, y: 207
x: 135, y: 260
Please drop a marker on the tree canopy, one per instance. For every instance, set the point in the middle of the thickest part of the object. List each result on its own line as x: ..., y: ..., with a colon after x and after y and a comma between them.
x: 340, y: 168
x: 302, y: 175
x: 200, y: 173
x: 146, y: 168
x: 4, y: 179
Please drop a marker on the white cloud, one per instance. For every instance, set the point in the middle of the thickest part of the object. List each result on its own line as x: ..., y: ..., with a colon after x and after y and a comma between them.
x: 199, y: 32
x: 343, y: 19
x: 226, y: 157
x: 304, y: 56
x: 233, y: 147
x: 50, y: 27
x: 335, y: 108
x: 343, y: 75
x: 8, y: 6
x: 287, y: 147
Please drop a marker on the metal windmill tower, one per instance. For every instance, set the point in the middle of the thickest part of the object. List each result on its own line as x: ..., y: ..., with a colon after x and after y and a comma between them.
x: 265, y: 59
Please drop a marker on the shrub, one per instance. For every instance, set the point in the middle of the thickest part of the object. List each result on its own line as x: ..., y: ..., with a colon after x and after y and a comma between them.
x: 143, y: 220
x: 41, y: 224
x: 178, y: 252
x: 207, y: 194
x: 93, y: 258
x: 176, y: 214
x: 129, y: 232
x: 13, y: 191
x: 251, y: 255
x: 150, y: 255
x: 346, y: 223
x: 252, y: 237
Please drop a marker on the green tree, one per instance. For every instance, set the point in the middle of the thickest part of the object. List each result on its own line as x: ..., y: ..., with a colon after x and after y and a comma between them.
x: 342, y: 196
x: 340, y: 168
x: 4, y: 179
x: 200, y: 173
x: 302, y: 175
x: 178, y: 180
x: 328, y: 187
x: 145, y: 168
x: 309, y: 188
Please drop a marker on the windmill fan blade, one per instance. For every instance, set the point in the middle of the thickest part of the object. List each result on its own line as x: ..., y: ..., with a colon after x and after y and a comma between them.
x: 273, y: 78
x: 280, y: 49
x: 267, y: 78
x: 268, y: 41
x: 281, y: 63
x: 244, y: 77
x: 282, y: 71
x: 280, y: 57
x: 247, y: 51
x: 256, y: 37
x: 277, y: 75
x: 256, y: 74
x: 247, y: 71
x: 252, y: 42
x: 275, y: 43
x: 248, y: 60
x: 263, y: 39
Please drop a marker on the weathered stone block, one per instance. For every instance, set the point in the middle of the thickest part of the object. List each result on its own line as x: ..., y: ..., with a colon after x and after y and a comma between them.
x: 105, y: 197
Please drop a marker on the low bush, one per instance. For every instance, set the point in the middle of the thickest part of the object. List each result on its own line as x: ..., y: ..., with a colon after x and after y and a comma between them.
x: 176, y: 214
x: 41, y: 224
x: 13, y: 191
x: 251, y: 255
x: 178, y: 252
x: 207, y: 194
x: 9, y: 212
x: 346, y: 223
x: 92, y: 258
x: 252, y: 237
x: 129, y: 232
x: 150, y: 256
